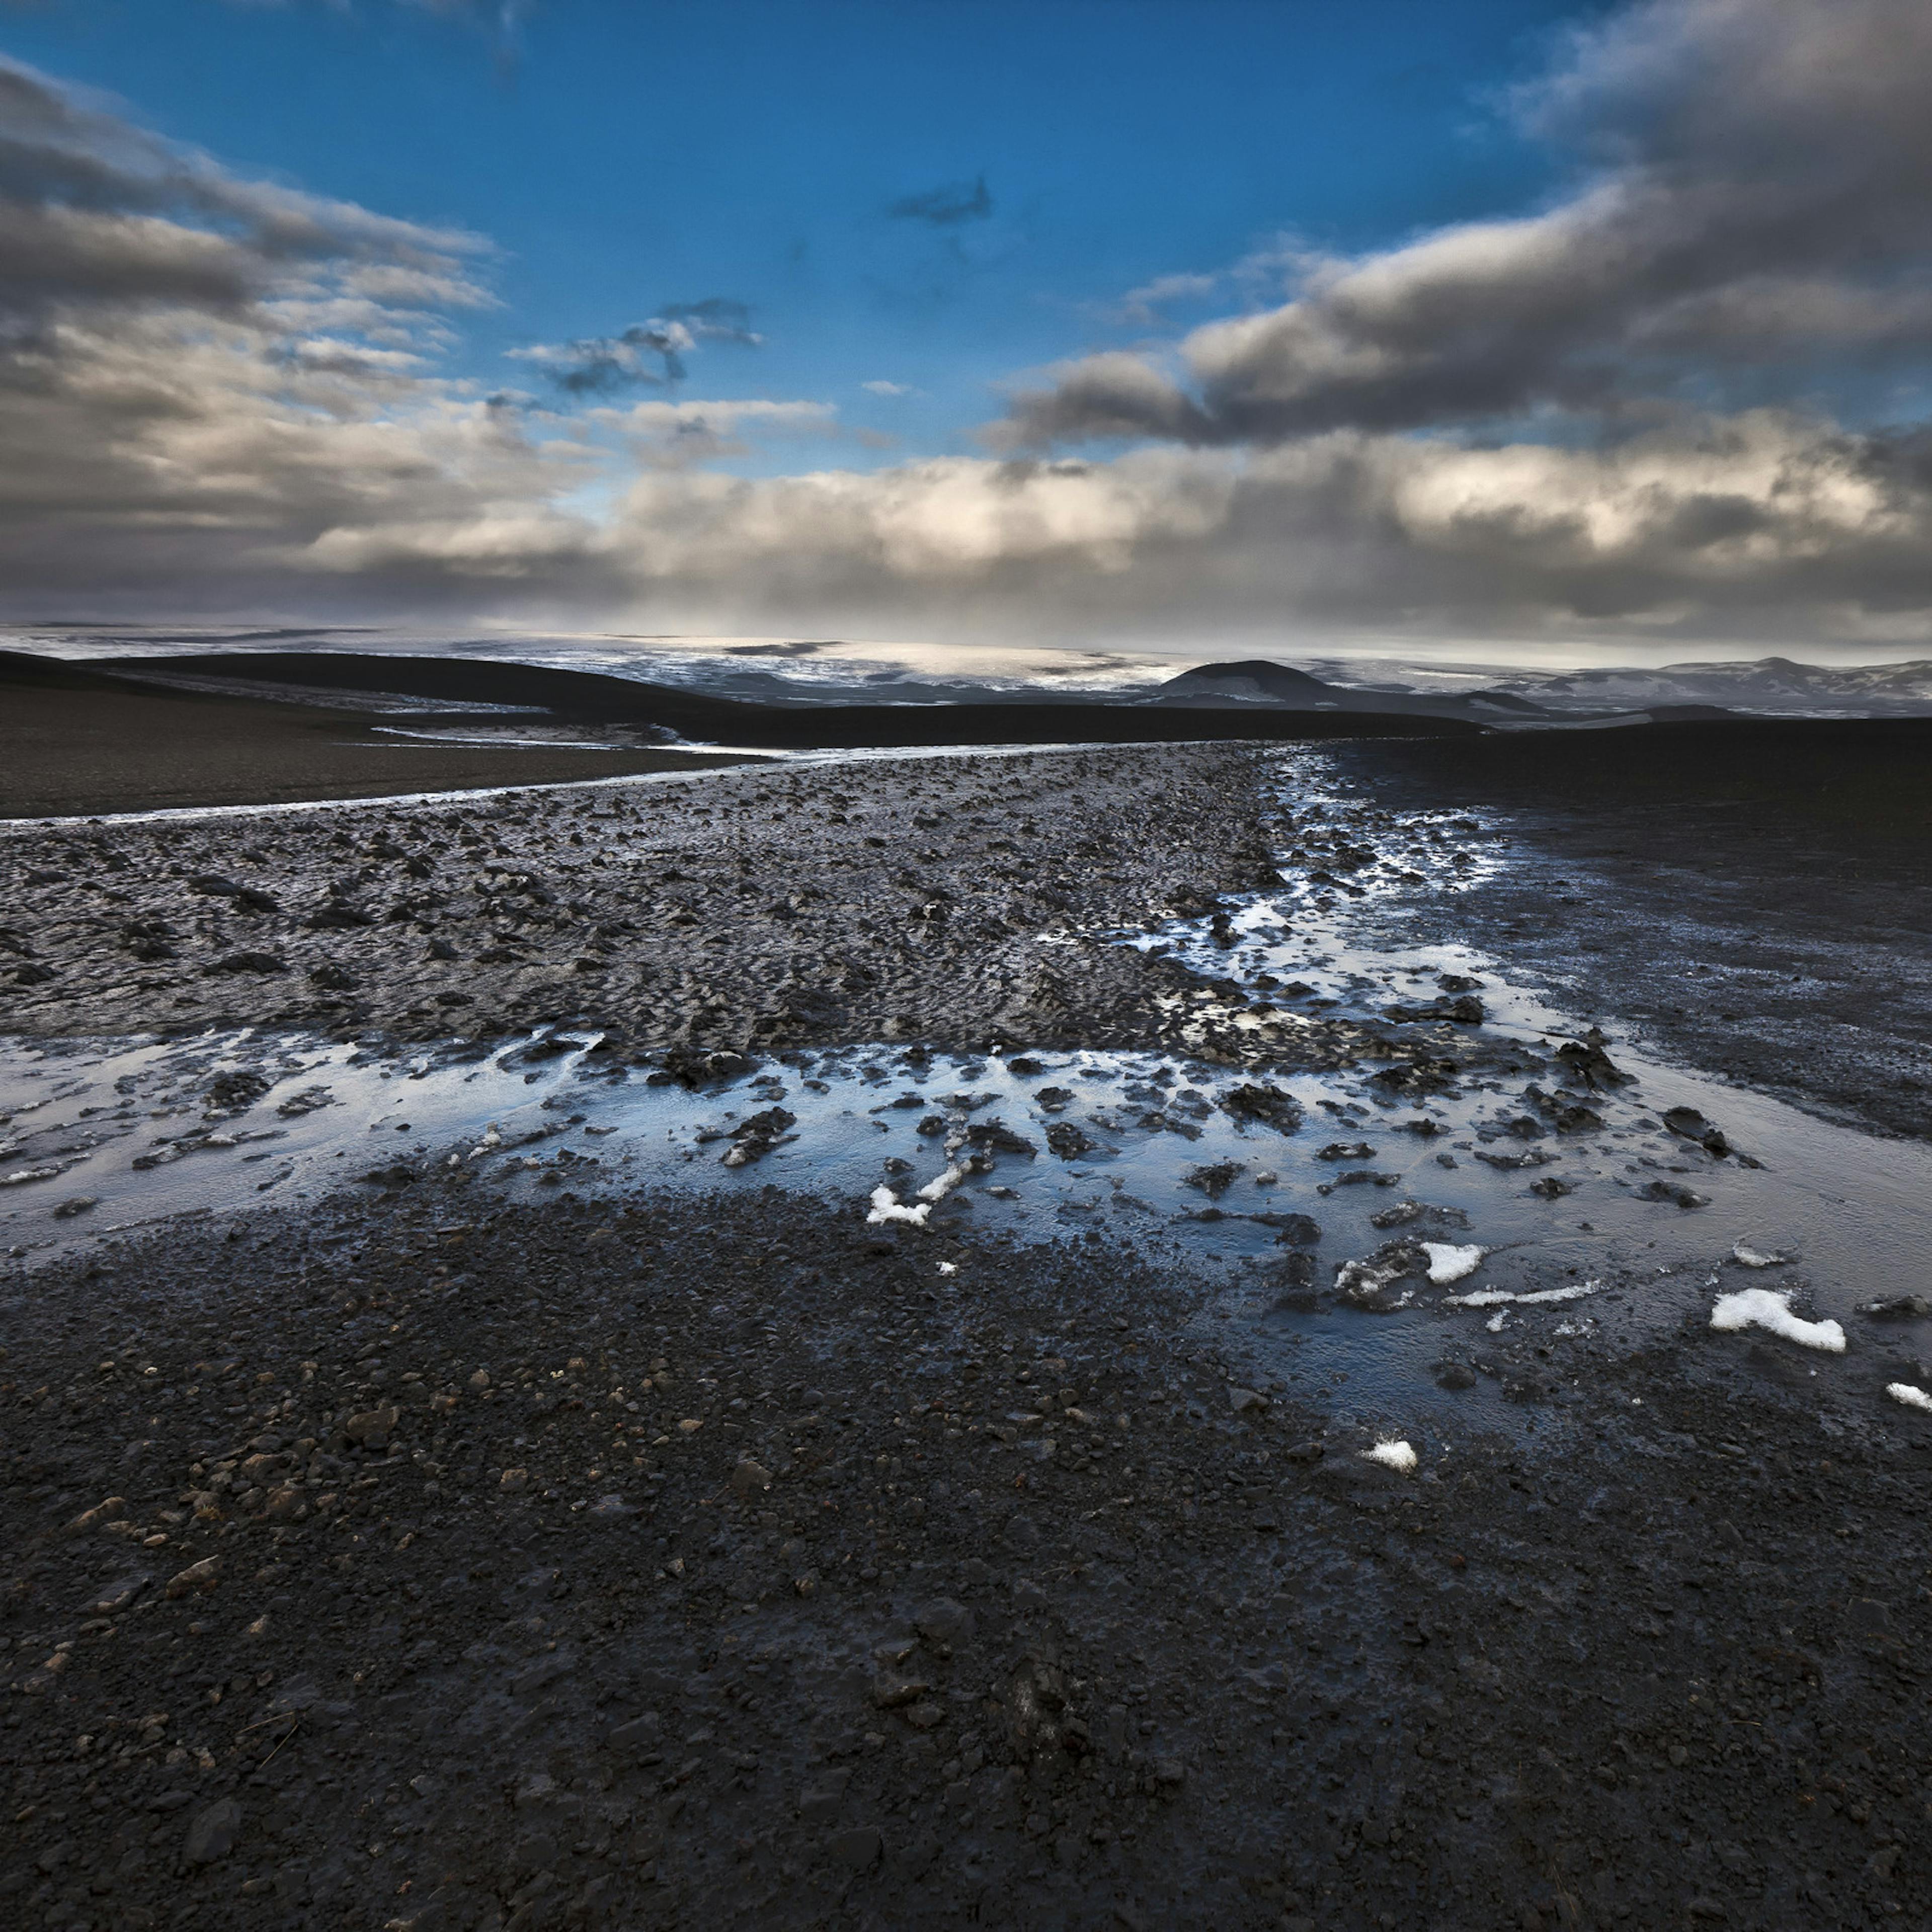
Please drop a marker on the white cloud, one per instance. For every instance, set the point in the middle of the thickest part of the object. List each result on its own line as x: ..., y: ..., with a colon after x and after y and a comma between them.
x: 679, y: 434
x: 1142, y: 307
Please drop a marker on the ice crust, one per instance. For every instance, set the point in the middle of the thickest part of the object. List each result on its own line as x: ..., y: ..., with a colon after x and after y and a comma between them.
x: 1449, y: 1262
x: 1492, y: 1297
x: 1770, y: 1308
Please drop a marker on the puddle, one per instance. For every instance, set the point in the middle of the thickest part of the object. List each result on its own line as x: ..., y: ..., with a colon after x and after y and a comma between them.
x: 1551, y: 1185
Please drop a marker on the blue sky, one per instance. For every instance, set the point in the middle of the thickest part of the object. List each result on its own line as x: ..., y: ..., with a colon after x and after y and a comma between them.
x: 1201, y: 325
x: 624, y: 156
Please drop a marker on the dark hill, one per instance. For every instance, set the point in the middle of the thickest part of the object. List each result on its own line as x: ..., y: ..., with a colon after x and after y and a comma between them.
x: 594, y: 698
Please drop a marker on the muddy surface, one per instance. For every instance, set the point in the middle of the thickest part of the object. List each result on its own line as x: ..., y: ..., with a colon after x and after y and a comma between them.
x: 734, y: 1458
x: 574, y: 1567
x: 1754, y: 899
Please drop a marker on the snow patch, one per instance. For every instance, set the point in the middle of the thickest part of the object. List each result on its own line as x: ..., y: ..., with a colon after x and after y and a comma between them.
x: 1766, y: 1308
x: 1392, y: 1453
x: 937, y: 1190
x: 1912, y: 1397
x: 887, y: 1206
x: 1492, y: 1297
x: 1448, y: 1262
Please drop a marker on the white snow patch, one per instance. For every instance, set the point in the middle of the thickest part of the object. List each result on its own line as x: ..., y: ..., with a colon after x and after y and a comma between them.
x: 1912, y: 1397
x: 937, y: 1190
x: 887, y: 1206
x: 1392, y: 1453
x: 949, y: 1267
x: 1764, y: 1308
x: 1497, y: 1322
x: 1745, y: 1256
x: 1492, y: 1297
x: 1448, y: 1262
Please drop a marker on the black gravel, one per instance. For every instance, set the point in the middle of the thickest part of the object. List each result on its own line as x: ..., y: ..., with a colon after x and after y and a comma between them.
x: 948, y: 898
x: 359, y: 1568
x: 859, y: 1649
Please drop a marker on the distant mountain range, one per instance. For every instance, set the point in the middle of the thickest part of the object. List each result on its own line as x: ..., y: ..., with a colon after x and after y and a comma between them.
x: 1260, y: 684
x: 704, y: 686
x: 1769, y: 684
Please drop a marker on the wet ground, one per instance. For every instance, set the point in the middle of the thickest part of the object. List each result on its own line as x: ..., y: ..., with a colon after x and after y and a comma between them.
x: 876, y: 1479
x: 1755, y: 899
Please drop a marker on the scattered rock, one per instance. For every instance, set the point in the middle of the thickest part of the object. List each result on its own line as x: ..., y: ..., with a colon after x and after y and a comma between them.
x: 212, y: 1832
x: 1674, y: 1191
x: 202, y: 1576
x: 856, y: 1849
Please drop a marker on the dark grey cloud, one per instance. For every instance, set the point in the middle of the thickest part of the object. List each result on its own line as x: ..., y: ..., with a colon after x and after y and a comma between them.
x: 95, y: 211
x: 1752, y: 213
x: 648, y: 354
x: 949, y: 206
x: 199, y: 371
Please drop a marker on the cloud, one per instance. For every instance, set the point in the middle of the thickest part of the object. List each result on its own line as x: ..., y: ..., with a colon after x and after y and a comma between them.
x: 1753, y: 204
x: 1766, y: 525
x: 949, y: 206
x: 95, y: 211
x: 648, y: 352
x: 1142, y: 307
x: 215, y: 390
x: 197, y: 369
x: 1766, y: 519
x: 502, y: 19
x: 882, y: 387
x: 676, y: 435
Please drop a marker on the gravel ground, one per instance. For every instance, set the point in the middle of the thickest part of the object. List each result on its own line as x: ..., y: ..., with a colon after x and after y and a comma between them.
x: 574, y: 1566
x: 73, y: 742
x: 950, y: 899
x: 426, y: 1560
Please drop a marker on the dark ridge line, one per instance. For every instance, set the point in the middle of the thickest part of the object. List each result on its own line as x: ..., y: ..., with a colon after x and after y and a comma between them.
x: 592, y: 697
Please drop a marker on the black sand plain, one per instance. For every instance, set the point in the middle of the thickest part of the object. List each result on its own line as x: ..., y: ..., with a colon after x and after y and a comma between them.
x: 995, y: 1598
x: 75, y: 741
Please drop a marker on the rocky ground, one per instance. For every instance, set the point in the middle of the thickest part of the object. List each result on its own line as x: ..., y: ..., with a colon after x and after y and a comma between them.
x: 571, y: 1566
x: 433, y: 1560
x: 939, y: 897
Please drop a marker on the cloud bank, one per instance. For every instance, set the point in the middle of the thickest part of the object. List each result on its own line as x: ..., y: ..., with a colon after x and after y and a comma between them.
x: 1683, y: 398
x: 1754, y: 214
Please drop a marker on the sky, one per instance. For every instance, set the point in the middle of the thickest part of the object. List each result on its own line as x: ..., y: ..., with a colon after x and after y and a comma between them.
x: 1225, y: 325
